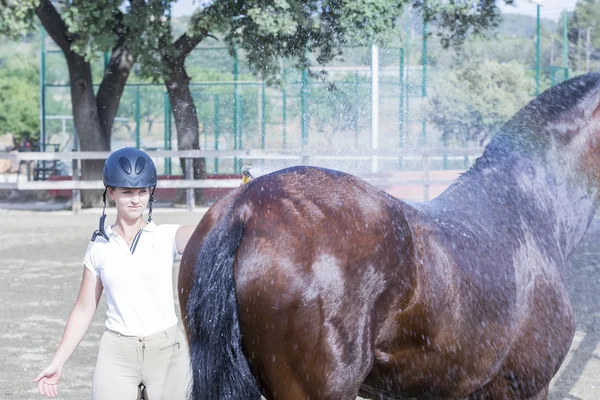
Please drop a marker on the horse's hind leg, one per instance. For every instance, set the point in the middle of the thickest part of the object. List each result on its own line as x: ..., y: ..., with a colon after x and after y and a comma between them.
x: 290, y: 386
x: 304, y: 360
x: 302, y: 351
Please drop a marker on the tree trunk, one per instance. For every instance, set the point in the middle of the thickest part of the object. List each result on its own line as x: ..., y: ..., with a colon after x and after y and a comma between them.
x: 87, y: 124
x: 112, y: 86
x: 107, y: 103
x: 185, y: 115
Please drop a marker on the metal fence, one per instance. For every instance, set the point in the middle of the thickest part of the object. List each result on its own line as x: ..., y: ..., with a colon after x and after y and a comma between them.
x: 426, y: 177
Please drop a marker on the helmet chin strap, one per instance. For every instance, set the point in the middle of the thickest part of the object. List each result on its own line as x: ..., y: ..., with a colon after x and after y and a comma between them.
x: 150, y: 204
x: 100, y: 231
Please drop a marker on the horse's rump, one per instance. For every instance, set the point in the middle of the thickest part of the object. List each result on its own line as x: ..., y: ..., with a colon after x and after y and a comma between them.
x: 318, y: 261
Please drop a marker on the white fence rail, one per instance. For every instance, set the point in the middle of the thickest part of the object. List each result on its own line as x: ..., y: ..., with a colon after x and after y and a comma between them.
x: 303, y: 157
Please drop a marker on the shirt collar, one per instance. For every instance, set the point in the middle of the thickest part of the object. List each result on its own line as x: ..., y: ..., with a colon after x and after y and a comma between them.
x: 109, y: 231
x: 148, y: 228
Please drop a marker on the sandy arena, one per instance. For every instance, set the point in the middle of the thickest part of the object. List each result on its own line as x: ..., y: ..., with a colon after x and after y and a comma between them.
x: 41, y: 265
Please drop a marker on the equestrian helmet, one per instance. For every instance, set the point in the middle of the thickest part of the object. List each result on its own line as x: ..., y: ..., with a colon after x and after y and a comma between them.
x: 129, y: 168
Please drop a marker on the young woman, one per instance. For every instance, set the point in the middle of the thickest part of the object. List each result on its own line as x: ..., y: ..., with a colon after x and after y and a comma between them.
x: 143, y: 344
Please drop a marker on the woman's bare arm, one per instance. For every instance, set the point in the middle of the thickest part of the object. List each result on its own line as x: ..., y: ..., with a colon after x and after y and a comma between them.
x: 183, y: 236
x: 81, y: 316
x: 78, y: 323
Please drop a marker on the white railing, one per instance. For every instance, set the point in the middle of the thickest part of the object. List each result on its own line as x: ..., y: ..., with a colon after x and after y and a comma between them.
x: 299, y: 157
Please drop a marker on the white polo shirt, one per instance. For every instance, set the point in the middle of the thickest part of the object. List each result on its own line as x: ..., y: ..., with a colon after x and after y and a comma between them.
x: 139, y: 281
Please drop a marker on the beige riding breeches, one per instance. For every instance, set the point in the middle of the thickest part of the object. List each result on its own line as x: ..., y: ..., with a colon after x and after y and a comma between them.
x: 158, y: 362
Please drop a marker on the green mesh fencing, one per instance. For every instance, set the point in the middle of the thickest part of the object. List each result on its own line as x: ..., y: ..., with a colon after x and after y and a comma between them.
x: 237, y: 111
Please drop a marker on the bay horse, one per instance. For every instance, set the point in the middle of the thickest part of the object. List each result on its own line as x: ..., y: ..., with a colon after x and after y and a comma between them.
x: 309, y: 283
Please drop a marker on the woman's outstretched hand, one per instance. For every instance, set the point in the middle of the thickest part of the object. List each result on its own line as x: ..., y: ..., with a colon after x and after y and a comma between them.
x: 47, y: 380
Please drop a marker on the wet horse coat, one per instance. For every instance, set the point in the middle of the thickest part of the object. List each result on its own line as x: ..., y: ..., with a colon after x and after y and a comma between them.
x: 309, y: 283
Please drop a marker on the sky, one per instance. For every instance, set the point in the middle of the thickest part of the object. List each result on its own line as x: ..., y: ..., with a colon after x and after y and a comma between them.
x: 550, y: 9
x: 183, y: 7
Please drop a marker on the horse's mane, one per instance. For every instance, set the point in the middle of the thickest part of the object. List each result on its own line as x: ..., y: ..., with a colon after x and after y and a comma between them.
x: 533, y: 127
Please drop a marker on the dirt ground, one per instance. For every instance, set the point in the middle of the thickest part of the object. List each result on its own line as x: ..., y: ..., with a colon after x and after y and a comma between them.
x: 41, y: 266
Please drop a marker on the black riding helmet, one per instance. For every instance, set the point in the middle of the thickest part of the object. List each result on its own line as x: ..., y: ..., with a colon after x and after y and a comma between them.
x: 127, y: 168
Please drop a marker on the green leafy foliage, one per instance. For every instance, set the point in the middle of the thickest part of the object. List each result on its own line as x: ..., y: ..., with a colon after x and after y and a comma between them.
x: 19, y: 98
x: 455, y: 20
x: 323, y: 28
x: 586, y: 15
x: 17, y: 17
x: 144, y: 27
x: 473, y: 102
x: 265, y: 31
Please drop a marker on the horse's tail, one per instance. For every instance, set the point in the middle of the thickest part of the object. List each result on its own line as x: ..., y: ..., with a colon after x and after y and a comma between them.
x: 219, y: 367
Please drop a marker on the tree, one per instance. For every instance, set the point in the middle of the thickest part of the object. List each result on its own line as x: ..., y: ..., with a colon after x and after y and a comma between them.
x: 19, y: 99
x: 19, y: 91
x: 585, y: 16
x: 268, y: 31
x: 141, y: 31
x: 93, y: 113
x: 473, y: 102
